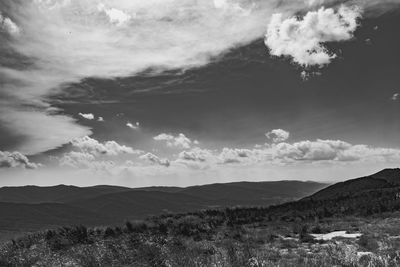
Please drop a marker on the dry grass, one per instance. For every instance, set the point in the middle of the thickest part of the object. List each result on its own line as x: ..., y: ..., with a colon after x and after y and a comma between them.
x: 204, y: 241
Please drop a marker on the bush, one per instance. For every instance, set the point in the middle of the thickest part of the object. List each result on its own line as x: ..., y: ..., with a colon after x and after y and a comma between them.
x: 368, y: 242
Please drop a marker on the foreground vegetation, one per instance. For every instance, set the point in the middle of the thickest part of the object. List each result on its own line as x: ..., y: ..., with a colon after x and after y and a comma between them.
x: 231, y: 237
x: 241, y: 237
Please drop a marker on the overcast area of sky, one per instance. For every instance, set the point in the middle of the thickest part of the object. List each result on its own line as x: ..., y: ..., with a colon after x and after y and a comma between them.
x: 141, y: 93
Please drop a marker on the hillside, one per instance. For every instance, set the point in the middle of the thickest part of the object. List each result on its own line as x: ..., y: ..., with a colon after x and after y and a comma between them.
x: 28, y: 217
x: 387, y: 178
x: 358, y: 228
x: 31, y: 207
x: 59, y: 194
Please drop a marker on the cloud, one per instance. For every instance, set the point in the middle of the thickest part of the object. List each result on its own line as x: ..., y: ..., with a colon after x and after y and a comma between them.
x: 7, y: 25
x: 15, y: 159
x: 95, y: 155
x: 155, y: 159
x: 115, y: 16
x: 33, y: 128
x: 179, y: 141
x: 88, y: 116
x: 67, y: 41
x: 84, y: 160
x: 283, y: 153
x: 101, y: 119
x: 278, y: 135
x: 196, y: 154
x: 76, y: 159
x: 396, y: 96
x: 302, y: 39
x: 134, y: 127
x: 92, y: 146
x: 331, y: 150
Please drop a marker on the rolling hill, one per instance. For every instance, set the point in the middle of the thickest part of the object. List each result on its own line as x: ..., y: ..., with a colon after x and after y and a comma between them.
x: 58, y: 194
x: 33, y: 207
x: 388, y: 178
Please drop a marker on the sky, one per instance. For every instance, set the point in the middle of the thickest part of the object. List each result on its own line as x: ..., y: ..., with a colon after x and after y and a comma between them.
x: 141, y: 93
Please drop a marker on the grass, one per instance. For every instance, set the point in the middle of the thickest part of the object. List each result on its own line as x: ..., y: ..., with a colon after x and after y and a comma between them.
x: 211, y: 239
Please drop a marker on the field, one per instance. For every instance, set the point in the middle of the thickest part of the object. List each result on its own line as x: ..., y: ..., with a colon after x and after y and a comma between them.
x: 213, y: 238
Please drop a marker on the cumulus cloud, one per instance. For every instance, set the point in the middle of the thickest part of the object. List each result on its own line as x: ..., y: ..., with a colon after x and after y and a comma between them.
x: 301, y: 155
x: 84, y: 160
x: 278, y: 135
x: 101, y: 119
x: 95, y: 155
x: 396, y: 96
x: 179, y: 141
x: 155, y: 159
x: 7, y: 25
x: 330, y: 151
x: 88, y: 116
x: 115, y: 16
x: 92, y: 146
x: 133, y: 126
x: 15, y: 159
x: 303, y: 39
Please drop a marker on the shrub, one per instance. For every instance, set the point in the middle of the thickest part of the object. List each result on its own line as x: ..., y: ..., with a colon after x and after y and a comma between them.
x: 109, y: 232
x: 368, y: 242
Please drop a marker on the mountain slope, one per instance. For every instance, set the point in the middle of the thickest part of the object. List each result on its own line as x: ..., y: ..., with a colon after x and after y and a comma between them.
x: 388, y: 178
x: 98, y: 205
x: 20, y: 216
x: 138, y: 204
x: 254, y: 193
x: 59, y: 194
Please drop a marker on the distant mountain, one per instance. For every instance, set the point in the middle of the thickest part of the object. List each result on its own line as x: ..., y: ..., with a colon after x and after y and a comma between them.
x: 388, y: 178
x: 54, y: 194
x: 370, y: 195
x: 253, y: 193
x: 139, y: 204
x: 27, y: 217
x: 32, y: 207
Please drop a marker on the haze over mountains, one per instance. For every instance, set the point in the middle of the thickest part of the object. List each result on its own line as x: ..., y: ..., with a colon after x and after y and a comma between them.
x: 32, y: 207
x: 388, y: 178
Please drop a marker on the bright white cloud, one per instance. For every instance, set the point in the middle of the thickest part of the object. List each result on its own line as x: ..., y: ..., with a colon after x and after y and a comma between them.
x: 179, y: 141
x: 84, y: 160
x: 155, y: 159
x: 133, y: 126
x: 303, y: 39
x: 331, y: 151
x: 6, y: 24
x: 101, y: 119
x: 115, y: 16
x: 396, y: 96
x: 15, y: 159
x: 92, y: 146
x: 278, y: 135
x: 88, y: 116
x: 318, y: 155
